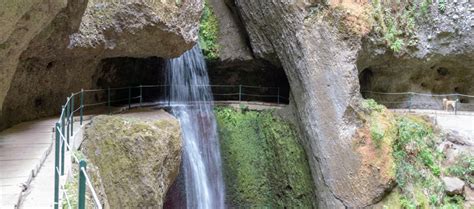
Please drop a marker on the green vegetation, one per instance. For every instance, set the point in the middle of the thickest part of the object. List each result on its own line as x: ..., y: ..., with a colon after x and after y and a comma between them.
x: 372, y: 105
x: 417, y: 163
x: 72, y: 189
x: 208, y: 33
x: 377, y: 134
x: 376, y: 122
x: 463, y: 168
x: 418, y: 167
x: 72, y: 184
x: 395, y: 21
x: 264, y: 165
x: 442, y: 6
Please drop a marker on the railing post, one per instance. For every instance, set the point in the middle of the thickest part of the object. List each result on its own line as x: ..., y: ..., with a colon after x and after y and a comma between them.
x: 141, y: 95
x: 455, y: 107
x: 129, y: 97
x: 72, y: 114
x: 56, y: 166
x: 82, y: 185
x: 278, y: 100
x: 61, y: 141
x: 68, y: 119
x: 108, y: 99
x: 82, y: 105
x: 240, y: 93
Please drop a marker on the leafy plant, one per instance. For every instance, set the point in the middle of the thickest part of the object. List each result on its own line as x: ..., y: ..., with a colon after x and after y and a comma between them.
x: 372, y: 105
x: 442, y: 6
x: 418, y: 164
x: 208, y: 33
x: 377, y: 135
x: 463, y: 168
x: 425, y: 4
x: 407, y: 203
x: 395, y: 21
x: 454, y: 202
x: 397, y: 45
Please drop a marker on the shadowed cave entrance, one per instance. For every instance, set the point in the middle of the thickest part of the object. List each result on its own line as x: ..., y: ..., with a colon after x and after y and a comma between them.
x: 256, y: 81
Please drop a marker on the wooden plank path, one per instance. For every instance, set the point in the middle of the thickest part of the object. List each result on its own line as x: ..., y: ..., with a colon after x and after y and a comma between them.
x: 23, y: 148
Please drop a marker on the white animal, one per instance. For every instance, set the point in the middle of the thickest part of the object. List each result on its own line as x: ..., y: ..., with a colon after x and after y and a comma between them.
x: 447, y: 103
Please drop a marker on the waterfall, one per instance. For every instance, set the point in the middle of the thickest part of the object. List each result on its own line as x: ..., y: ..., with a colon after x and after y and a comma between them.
x: 192, y: 104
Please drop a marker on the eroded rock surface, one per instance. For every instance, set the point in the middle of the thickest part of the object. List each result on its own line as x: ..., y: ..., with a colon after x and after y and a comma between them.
x: 441, y: 61
x: 320, y: 64
x: 55, y: 48
x: 137, y: 158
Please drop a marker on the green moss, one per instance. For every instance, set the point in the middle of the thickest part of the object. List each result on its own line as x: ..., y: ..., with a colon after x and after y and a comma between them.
x: 3, y: 46
x: 381, y: 123
x: 72, y: 188
x: 264, y: 165
x: 208, y: 33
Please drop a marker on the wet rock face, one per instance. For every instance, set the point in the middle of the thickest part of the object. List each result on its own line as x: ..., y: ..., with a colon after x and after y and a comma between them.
x: 55, y: 48
x: 264, y: 164
x: 136, y: 160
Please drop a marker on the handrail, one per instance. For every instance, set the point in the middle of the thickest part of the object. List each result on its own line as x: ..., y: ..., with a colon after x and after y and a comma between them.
x: 416, y: 93
x: 411, y: 102
x: 64, y: 129
x: 64, y: 126
x: 91, y: 187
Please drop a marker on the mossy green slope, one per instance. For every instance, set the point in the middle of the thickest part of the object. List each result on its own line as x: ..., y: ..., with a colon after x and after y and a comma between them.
x: 264, y: 164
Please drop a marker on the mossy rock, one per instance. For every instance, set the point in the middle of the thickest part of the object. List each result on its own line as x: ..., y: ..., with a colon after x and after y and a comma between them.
x: 264, y: 164
x: 137, y: 160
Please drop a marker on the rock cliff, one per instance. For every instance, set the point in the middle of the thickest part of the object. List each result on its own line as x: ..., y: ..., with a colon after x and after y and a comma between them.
x: 323, y: 46
x: 320, y: 63
x: 439, y: 59
x: 53, y: 49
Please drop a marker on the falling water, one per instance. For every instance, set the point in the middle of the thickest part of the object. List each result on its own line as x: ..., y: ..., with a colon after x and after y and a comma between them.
x: 192, y: 104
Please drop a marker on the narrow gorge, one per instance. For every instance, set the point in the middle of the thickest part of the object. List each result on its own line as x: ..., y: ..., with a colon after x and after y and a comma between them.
x: 239, y: 104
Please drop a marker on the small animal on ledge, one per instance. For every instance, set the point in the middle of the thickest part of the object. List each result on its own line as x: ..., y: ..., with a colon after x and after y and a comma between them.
x: 447, y: 103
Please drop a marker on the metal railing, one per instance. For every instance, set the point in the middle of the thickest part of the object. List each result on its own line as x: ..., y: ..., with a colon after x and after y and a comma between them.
x: 414, y: 100
x: 64, y: 128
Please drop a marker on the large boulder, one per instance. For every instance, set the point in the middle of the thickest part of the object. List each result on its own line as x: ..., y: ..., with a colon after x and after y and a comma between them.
x: 137, y: 159
x: 453, y: 185
x: 55, y: 49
